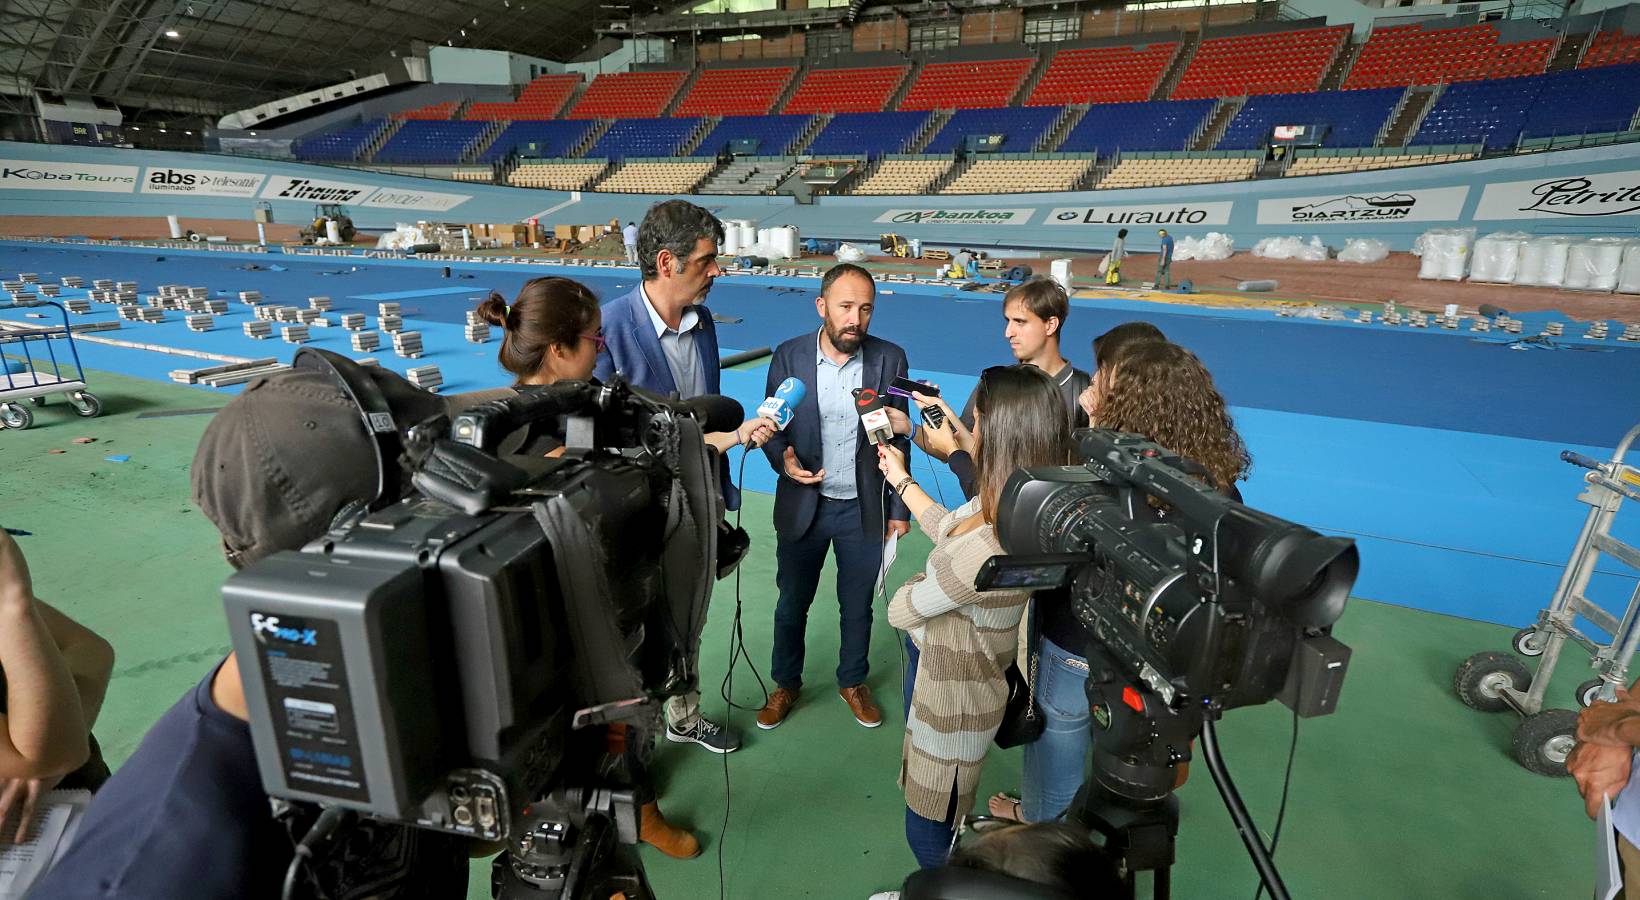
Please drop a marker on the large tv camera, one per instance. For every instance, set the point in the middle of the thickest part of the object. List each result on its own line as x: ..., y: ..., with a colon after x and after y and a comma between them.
x: 1194, y: 604
x: 435, y: 658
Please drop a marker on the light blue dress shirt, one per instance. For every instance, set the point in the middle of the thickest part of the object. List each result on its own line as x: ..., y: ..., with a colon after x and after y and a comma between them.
x: 679, y: 346
x: 839, y: 423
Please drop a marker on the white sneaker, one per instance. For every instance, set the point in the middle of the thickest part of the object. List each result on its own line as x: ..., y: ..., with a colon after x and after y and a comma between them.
x: 886, y: 895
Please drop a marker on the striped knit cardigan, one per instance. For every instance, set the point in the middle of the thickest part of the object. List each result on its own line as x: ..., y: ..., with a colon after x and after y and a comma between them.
x: 966, y: 640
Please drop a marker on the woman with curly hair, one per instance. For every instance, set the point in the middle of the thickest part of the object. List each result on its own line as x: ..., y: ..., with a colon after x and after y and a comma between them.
x: 1162, y: 391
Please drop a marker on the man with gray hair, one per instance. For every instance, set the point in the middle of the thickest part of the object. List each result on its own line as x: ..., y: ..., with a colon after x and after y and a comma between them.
x: 659, y: 337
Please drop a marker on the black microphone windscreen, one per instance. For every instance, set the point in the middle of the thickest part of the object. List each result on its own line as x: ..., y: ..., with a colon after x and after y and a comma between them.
x: 716, y: 412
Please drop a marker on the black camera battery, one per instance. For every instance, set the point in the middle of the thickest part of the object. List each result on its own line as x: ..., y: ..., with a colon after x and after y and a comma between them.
x: 330, y: 722
x: 1316, y: 676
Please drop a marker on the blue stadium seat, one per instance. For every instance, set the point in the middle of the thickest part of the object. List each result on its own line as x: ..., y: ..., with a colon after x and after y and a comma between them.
x: 341, y: 145
x: 774, y: 134
x: 643, y: 137
x: 1585, y: 101
x: 869, y: 134
x: 1023, y: 126
x: 431, y: 142
x: 1354, y: 118
x: 1147, y: 125
x: 553, y: 138
x: 1498, y: 113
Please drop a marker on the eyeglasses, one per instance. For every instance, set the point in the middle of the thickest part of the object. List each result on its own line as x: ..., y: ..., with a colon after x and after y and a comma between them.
x: 598, y: 340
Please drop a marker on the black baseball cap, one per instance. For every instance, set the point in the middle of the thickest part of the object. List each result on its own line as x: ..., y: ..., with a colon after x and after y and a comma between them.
x: 278, y: 463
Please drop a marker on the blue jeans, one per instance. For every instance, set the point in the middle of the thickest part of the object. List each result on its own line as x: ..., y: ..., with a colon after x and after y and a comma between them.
x: 799, y: 558
x: 930, y: 840
x: 1055, y: 762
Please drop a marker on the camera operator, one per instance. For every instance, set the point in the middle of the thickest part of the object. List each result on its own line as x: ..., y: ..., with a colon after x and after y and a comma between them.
x: 1162, y: 391
x: 960, y: 640
x: 661, y: 337
x: 186, y: 815
x: 53, y: 676
x: 553, y: 331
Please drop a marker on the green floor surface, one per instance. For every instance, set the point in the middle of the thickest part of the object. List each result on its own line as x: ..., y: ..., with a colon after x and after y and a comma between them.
x: 1404, y: 793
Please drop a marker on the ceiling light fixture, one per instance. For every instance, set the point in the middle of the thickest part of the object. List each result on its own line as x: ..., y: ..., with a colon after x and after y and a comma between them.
x: 172, y: 33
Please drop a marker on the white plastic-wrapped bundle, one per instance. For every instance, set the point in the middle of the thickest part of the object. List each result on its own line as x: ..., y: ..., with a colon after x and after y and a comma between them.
x: 1628, y: 275
x: 1446, y: 253
x: 1213, y: 247
x: 784, y: 241
x: 850, y: 253
x: 1314, y: 251
x: 731, y: 239
x: 748, y: 234
x: 1278, y: 247
x: 1592, y: 265
x: 1363, y: 250
x: 1497, y: 257
x: 1543, y: 261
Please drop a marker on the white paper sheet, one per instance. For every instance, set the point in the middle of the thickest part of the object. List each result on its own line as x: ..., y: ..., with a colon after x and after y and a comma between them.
x: 891, y: 548
x: 1608, y: 877
x: 56, y: 818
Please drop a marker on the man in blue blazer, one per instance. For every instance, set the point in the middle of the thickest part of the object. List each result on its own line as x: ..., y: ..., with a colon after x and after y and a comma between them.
x: 660, y: 338
x: 830, y: 493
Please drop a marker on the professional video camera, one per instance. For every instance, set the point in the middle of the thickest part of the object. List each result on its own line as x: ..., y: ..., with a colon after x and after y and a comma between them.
x: 1194, y: 605
x: 432, y: 660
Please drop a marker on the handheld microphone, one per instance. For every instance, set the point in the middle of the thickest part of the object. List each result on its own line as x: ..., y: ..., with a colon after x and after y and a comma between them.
x: 783, y: 404
x: 873, y: 416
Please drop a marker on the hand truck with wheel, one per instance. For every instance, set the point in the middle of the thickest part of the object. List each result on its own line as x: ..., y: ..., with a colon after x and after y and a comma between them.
x: 27, y: 348
x: 1493, y: 682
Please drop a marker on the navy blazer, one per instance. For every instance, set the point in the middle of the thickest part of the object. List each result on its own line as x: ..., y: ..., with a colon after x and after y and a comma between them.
x: 795, y: 504
x: 634, y: 352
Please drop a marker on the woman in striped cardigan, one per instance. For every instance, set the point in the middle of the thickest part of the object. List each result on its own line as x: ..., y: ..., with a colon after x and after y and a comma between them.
x: 962, y: 640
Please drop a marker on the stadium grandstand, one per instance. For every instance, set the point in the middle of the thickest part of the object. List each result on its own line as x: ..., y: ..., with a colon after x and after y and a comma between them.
x: 919, y: 117
x: 1357, y: 215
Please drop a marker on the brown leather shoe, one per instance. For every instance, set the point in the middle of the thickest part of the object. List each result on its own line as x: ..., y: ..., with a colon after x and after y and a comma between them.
x: 860, y: 703
x: 654, y: 830
x: 779, y: 706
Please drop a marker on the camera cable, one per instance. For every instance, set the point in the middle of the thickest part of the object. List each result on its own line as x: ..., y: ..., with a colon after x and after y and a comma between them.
x: 737, y: 652
x: 323, y: 828
x: 1286, y: 782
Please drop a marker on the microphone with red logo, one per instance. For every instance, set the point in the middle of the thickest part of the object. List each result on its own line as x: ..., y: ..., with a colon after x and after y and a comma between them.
x: 873, y: 416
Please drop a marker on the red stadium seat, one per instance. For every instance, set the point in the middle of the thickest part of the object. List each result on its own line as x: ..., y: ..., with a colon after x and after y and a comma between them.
x: 735, y: 92
x: 1409, y: 54
x: 1284, y: 62
x: 1611, y: 48
x: 542, y: 98
x: 846, y: 90
x: 954, y: 85
x: 434, y: 112
x: 628, y: 95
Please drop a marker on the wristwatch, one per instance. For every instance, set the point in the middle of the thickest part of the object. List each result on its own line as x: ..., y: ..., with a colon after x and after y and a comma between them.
x: 904, y: 483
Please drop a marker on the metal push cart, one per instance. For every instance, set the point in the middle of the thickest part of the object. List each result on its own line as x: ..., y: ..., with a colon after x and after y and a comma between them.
x: 35, y: 347
x: 1494, y: 682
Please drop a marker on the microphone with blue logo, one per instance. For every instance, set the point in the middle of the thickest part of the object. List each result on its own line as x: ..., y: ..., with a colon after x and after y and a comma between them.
x: 780, y: 408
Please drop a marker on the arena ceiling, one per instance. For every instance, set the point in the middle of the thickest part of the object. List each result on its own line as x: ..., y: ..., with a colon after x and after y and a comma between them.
x: 216, y: 56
